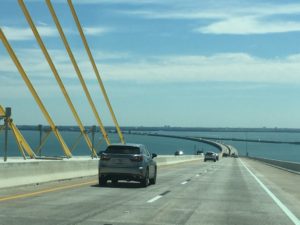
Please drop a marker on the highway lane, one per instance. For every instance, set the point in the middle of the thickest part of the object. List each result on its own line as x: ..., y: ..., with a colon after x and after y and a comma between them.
x: 187, y: 193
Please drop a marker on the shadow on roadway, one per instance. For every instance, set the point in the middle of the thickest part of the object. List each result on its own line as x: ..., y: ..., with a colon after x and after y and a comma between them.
x: 120, y: 184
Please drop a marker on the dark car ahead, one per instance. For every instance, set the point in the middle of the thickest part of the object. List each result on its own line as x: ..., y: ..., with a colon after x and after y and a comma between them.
x: 131, y: 162
x: 210, y: 156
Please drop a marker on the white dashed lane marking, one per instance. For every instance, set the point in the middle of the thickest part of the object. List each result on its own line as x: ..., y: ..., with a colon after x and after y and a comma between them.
x: 154, y: 199
x: 158, y: 197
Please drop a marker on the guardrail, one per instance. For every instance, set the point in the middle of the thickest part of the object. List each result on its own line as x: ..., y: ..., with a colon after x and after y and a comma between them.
x: 286, y: 165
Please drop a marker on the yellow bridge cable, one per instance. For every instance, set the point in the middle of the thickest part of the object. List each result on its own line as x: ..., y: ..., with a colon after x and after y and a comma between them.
x: 78, y: 72
x: 56, y: 75
x: 96, y: 70
x: 34, y: 94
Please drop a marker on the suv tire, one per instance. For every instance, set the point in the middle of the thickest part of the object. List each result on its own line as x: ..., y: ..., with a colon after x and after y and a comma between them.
x: 102, y: 181
x: 145, y: 181
x: 153, y: 180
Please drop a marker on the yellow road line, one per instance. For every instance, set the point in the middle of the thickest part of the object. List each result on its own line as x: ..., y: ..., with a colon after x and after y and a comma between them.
x: 17, y: 196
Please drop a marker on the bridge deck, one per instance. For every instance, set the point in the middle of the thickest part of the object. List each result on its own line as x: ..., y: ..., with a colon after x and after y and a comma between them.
x: 188, y: 193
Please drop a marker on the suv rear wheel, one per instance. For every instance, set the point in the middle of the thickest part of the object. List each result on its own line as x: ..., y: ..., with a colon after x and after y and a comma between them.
x: 102, y: 181
x: 153, y: 180
x: 145, y: 181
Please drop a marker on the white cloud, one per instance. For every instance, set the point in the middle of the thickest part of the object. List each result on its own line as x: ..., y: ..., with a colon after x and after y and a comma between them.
x: 25, y: 33
x: 209, y: 10
x: 95, y: 31
x: 111, y: 1
x: 249, y: 25
x: 227, y: 18
x: 21, y: 33
x: 271, y: 9
x: 42, y: 23
x: 100, y: 1
x: 175, y: 14
x: 35, y: 64
x: 219, y: 68
x: 229, y: 67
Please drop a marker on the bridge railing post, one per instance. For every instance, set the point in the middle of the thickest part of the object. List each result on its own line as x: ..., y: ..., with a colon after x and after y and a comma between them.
x: 93, y: 137
x: 6, y: 122
x: 40, y: 129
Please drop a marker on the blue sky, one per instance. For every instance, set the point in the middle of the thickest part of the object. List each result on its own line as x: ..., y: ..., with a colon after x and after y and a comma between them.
x: 233, y: 63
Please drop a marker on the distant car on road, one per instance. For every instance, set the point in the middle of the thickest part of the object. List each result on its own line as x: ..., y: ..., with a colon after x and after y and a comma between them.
x: 210, y: 156
x: 225, y: 154
x: 234, y: 155
x: 199, y: 153
x: 179, y: 152
x: 131, y: 162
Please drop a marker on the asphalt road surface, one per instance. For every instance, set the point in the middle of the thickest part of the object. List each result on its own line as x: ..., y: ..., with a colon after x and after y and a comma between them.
x: 225, y: 192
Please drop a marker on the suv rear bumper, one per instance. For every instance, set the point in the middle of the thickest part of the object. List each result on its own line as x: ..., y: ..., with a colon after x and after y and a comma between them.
x: 210, y: 158
x: 122, y: 173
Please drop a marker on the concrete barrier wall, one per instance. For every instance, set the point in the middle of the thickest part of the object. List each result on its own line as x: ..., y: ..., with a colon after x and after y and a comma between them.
x: 20, y: 172
x: 168, y: 160
x: 291, y: 166
x: 29, y: 172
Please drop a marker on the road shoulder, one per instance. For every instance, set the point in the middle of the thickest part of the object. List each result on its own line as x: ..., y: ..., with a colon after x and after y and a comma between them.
x: 285, y: 185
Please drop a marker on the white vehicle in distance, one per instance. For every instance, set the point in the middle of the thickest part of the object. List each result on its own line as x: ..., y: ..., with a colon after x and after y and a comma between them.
x: 217, y: 156
x: 179, y: 152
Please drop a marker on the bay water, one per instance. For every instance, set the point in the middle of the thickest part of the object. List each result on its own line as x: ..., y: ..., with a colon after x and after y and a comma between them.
x: 167, y: 146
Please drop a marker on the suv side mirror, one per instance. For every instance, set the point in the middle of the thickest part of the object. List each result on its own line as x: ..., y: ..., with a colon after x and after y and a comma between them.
x: 154, y: 155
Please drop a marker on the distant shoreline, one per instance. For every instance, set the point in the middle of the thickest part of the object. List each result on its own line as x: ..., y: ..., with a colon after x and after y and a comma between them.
x: 112, y: 129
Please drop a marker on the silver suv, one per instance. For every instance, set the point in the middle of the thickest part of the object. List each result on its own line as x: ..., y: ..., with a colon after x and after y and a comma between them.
x: 210, y: 156
x: 127, y: 162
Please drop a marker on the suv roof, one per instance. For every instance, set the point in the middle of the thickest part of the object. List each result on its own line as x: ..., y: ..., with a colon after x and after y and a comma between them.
x: 210, y: 153
x: 127, y: 144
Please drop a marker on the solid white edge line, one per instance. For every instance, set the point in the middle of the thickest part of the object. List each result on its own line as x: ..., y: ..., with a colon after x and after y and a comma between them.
x: 292, y: 217
x: 185, y: 182
x: 154, y: 199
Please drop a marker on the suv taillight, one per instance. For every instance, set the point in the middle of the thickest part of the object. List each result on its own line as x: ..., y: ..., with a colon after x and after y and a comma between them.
x: 104, y: 157
x: 137, y: 158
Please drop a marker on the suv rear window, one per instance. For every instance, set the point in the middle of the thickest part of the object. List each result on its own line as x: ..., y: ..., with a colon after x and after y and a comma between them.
x: 122, y: 150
